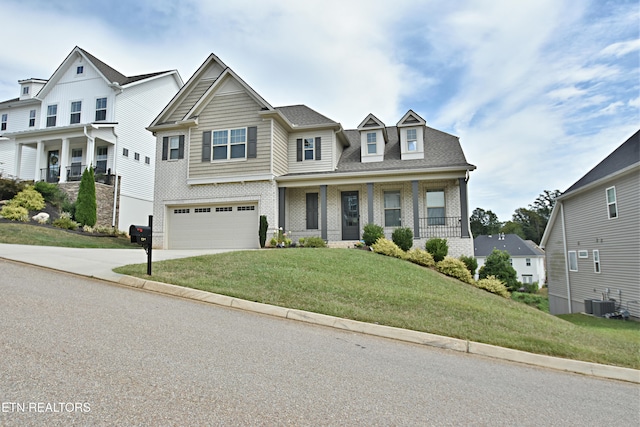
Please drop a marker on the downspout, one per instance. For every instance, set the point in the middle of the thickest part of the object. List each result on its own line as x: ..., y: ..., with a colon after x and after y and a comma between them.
x: 566, y: 261
x: 115, y: 181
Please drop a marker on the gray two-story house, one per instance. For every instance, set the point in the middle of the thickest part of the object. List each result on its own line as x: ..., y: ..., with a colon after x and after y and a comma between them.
x: 225, y: 156
x: 592, y: 240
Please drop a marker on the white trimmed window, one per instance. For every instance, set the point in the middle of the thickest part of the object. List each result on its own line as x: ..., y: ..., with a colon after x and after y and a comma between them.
x: 412, y: 140
x: 32, y: 118
x: 101, y: 159
x: 174, y: 147
x: 612, y: 205
x: 435, y: 207
x: 125, y: 152
x: 392, y: 209
x: 52, y: 112
x: 371, y: 143
x: 3, y: 124
x: 527, y: 278
x: 573, y: 261
x: 528, y: 261
x: 101, y: 109
x: 76, y: 108
x: 80, y: 69
x: 230, y: 144
x: 25, y: 90
x: 596, y: 260
x: 309, y: 148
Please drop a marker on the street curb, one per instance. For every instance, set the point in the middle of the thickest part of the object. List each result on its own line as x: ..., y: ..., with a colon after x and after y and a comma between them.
x: 406, y: 335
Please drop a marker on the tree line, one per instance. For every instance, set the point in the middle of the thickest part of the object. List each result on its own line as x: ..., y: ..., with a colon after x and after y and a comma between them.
x: 529, y: 223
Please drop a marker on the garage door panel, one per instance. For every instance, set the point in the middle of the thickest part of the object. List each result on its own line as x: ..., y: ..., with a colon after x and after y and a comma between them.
x: 231, y: 226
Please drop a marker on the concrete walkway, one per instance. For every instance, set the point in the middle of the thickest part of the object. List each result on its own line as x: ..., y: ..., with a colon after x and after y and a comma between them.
x: 99, y: 263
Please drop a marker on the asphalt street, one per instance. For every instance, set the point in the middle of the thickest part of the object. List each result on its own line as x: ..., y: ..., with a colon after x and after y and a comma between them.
x: 77, y: 351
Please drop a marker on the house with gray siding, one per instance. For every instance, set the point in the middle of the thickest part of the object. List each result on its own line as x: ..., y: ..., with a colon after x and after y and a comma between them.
x: 592, y: 240
x: 88, y: 114
x: 225, y: 156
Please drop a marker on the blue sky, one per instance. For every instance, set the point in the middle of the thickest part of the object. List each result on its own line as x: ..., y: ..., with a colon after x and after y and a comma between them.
x: 539, y: 91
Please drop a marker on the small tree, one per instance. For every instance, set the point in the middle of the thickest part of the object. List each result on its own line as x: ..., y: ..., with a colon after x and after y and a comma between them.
x: 498, y: 264
x: 371, y: 233
x: 438, y: 248
x: 86, y: 205
x: 403, y: 237
x: 262, y: 233
x: 471, y: 263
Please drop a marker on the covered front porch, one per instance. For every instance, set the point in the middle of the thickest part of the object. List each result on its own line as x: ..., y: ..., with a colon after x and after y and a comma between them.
x: 63, y: 154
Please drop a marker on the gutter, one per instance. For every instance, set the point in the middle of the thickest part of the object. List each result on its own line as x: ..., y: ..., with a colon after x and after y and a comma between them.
x: 566, y: 261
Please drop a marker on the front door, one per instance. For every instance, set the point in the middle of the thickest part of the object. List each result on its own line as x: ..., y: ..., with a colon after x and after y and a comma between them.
x: 53, y: 166
x: 350, y: 216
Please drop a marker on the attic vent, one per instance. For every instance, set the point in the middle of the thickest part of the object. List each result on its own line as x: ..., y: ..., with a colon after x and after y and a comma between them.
x: 411, y: 119
x: 371, y: 122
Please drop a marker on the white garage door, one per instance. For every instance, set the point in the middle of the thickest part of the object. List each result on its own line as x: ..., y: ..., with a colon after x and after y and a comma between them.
x: 230, y: 226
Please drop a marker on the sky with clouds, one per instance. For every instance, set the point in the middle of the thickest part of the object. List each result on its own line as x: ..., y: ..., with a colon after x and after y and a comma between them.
x: 538, y: 91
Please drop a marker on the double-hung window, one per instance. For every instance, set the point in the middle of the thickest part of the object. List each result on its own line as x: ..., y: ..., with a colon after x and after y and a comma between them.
x: 309, y: 148
x: 573, y: 261
x: 392, y: 209
x: 596, y: 260
x: 371, y: 143
x: 76, y: 162
x: 32, y: 118
x: 25, y: 90
x: 412, y: 140
x: 174, y: 147
x: 435, y: 207
x: 52, y: 112
x: 76, y: 108
x: 101, y: 109
x: 101, y: 159
x: 612, y: 204
x: 3, y: 124
x: 528, y: 261
x: 229, y: 144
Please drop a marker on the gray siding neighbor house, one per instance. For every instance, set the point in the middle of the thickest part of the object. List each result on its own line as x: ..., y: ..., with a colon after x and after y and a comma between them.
x: 592, y: 240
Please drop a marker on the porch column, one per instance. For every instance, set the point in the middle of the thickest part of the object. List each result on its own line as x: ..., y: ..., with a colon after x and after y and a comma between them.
x: 39, y: 156
x: 416, y: 210
x: 464, y: 209
x: 323, y: 212
x: 370, y: 202
x: 91, y: 149
x: 64, y: 159
x: 18, y: 160
x: 282, y: 194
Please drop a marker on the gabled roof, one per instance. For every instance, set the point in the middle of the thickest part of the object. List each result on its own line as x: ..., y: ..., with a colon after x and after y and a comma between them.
x: 371, y: 122
x: 512, y: 243
x: 624, y: 156
x: 411, y: 119
x: 301, y: 115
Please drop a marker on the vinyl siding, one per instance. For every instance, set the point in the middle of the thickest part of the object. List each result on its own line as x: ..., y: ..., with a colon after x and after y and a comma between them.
x: 325, y: 164
x: 230, y: 111
x: 190, y: 100
x: 589, y: 228
x: 279, y: 149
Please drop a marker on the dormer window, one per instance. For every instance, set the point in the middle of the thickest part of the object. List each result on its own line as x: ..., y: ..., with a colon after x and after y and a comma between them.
x: 412, y: 140
x: 25, y: 90
x: 371, y: 143
x: 79, y: 69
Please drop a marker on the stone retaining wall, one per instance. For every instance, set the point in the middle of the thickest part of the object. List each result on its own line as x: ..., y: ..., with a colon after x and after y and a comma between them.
x: 104, y: 200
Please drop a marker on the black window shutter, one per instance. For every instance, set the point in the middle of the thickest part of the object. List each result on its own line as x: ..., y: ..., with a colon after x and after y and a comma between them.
x: 299, y: 149
x: 181, y: 147
x: 165, y: 147
x: 206, y: 146
x: 252, y: 142
x: 318, y: 148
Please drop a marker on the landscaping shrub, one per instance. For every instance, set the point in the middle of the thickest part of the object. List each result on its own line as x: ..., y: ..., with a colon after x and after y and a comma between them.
x: 371, y: 233
x: 498, y: 264
x: 10, y: 187
x: 29, y: 199
x: 454, y: 268
x: 14, y: 213
x: 421, y: 257
x: 534, y: 300
x: 314, y: 242
x: 530, y: 288
x: 51, y: 192
x: 65, y: 222
x: 470, y: 262
x: 387, y: 247
x: 493, y: 285
x: 403, y: 237
x: 438, y: 248
x: 262, y: 232
x: 86, y: 205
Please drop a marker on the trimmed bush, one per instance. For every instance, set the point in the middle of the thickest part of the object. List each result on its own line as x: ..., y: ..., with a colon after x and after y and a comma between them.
x: 10, y: 187
x: 15, y: 213
x: 65, y: 222
x: 403, y: 237
x: 262, y: 232
x: 421, y: 257
x: 29, y: 199
x: 438, y: 248
x: 371, y: 233
x: 470, y: 262
x: 454, y: 268
x: 387, y: 247
x: 86, y: 205
x: 314, y: 242
x: 51, y: 193
x: 493, y: 285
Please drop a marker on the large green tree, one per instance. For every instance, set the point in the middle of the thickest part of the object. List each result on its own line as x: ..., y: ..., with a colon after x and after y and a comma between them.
x: 86, y: 205
x: 498, y: 264
x: 533, y: 219
x: 484, y: 222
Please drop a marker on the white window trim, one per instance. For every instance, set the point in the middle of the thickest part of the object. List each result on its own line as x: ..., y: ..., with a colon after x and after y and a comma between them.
x: 615, y: 202
x: 52, y: 115
x: 176, y: 139
x: 384, y: 209
x: 597, y: 267
x: 3, y: 121
x: 71, y: 112
x: 575, y: 255
x: 415, y: 141
x: 32, y: 118
x: 583, y: 253
x: 373, y: 143
x: 305, y: 149
x: 106, y: 98
x: 229, y: 145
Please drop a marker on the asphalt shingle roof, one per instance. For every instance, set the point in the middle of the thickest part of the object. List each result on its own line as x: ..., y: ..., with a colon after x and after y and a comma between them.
x: 301, y: 115
x: 512, y: 243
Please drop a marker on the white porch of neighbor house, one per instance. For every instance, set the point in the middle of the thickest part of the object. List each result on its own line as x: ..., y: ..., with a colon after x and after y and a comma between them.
x: 63, y: 154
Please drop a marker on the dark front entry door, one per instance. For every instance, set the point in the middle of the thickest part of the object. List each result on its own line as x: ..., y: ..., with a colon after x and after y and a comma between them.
x: 53, y: 166
x: 350, y: 216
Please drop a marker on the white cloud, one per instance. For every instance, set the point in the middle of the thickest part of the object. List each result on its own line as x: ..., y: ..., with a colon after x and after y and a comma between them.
x: 621, y: 48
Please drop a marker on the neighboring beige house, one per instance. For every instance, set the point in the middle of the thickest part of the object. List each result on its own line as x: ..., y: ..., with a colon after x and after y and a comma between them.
x: 88, y: 114
x: 526, y: 258
x: 592, y: 240
x: 225, y: 156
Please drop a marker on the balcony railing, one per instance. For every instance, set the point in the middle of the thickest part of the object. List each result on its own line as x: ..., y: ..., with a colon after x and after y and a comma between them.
x: 74, y: 173
x: 448, y: 226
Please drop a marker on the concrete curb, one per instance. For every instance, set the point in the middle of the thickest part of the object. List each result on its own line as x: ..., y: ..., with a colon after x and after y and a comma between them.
x: 567, y: 365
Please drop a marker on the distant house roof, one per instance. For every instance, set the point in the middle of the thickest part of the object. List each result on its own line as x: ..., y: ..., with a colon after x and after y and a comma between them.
x: 301, y: 115
x: 512, y: 243
x: 624, y: 156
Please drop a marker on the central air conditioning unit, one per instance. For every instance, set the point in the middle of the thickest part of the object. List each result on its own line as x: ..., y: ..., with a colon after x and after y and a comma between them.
x: 600, y: 308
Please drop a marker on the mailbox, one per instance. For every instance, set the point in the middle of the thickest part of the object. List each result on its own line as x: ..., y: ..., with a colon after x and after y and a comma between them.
x: 140, y: 234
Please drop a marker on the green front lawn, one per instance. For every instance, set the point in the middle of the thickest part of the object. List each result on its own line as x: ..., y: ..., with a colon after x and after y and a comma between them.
x: 30, y: 234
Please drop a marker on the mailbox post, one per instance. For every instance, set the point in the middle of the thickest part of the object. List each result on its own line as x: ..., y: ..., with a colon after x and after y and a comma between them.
x: 142, y: 235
